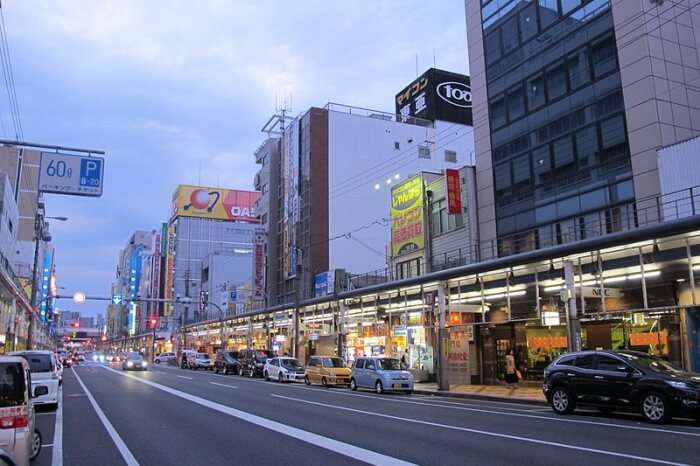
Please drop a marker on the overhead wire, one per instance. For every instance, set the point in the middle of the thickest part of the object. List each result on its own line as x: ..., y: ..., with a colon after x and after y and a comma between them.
x: 8, y: 75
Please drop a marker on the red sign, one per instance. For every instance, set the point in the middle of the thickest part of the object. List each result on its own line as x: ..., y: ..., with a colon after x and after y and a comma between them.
x: 454, y: 193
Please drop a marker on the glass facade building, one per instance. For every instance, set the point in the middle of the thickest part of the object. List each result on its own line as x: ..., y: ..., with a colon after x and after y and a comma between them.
x: 561, y: 159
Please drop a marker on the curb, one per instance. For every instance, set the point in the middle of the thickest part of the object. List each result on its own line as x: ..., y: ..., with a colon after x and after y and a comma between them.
x: 470, y: 396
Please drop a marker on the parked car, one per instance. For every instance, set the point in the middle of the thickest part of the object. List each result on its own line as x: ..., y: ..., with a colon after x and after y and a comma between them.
x: 66, y: 361
x: 199, y: 361
x: 44, y: 371
x: 226, y: 362
x: 18, y: 434
x: 380, y: 374
x: 184, y: 358
x: 252, y: 362
x: 327, y: 370
x: 627, y: 380
x: 165, y: 358
x: 284, y: 369
x: 134, y: 362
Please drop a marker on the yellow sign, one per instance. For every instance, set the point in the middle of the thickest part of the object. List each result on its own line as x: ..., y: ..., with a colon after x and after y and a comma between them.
x: 407, y: 217
x: 215, y: 203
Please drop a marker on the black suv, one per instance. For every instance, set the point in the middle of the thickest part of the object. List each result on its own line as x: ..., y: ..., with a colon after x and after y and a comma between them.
x: 252, y: 362
x: 611, y: 380
x: 226, y: 362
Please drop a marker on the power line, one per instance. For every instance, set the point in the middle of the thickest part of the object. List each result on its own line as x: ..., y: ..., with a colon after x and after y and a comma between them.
x: 8, y: 75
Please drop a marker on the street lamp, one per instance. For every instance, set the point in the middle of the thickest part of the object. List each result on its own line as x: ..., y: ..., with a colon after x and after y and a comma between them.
x: 79, y: 297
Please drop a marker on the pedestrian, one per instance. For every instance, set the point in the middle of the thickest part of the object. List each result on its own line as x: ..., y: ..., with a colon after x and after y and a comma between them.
x: 404, y: 360
x: 511, y: 371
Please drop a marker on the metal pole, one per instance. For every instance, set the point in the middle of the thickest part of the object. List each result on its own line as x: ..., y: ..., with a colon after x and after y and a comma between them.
x: 37, y: 233
x: 691, y: 272
x: 443, y: 343
x: 574, y: 324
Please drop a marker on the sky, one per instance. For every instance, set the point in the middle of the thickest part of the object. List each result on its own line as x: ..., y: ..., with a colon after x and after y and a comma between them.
x: 167, y: 87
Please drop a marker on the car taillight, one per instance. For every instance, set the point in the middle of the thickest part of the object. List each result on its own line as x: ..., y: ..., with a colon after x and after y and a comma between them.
x: 11, y: 418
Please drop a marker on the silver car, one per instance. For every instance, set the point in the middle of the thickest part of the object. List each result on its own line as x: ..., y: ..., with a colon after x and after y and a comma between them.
x: 380, y: 374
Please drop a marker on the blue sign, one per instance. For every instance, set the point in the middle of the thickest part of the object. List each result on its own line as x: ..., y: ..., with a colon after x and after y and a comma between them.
x: 71, y: 174
x: 116, y: 299
x: 91, y: 172
x: 45, y: 304
x: 324, y: 284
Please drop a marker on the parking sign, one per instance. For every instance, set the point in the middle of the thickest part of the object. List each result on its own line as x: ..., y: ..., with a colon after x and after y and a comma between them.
x: 75, y: 175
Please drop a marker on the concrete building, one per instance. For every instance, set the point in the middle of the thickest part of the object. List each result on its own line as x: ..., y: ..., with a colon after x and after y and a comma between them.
x: 336, y: 168
x: 571, y: 101
x: 9, y: 219
x: 212, y: 229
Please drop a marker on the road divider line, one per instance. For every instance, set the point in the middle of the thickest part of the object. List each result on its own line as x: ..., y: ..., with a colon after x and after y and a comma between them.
x: 316, y: 440
x: 183, y: 377
x: 223, y: 385
x: 485, y: 432
x: 57, y: 452
x: 118, y: 442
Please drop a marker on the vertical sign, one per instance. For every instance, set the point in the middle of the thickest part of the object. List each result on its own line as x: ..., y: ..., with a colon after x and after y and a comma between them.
x: 134, y: 280
x: 407, y: 217
x: 203, y: 299
x: 45, y: 282
x: 155, y: 274
x: 290, y: 198
x: 454, y: 192
x: 169, y: 270
x: 259, y: 269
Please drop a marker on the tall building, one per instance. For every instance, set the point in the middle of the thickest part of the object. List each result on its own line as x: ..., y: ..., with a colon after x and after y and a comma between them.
x: 211, y: 228
x: 329, y: 189
x: 572, y: 98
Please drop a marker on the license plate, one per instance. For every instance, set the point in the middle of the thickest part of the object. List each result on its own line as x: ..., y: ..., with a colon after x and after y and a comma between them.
x: 397, y: 385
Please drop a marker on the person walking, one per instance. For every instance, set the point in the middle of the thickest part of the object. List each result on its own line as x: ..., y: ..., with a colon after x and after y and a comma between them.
x: 511, y: 371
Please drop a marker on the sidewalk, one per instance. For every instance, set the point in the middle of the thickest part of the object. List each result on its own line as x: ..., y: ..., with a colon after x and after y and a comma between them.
x: 485, y: 392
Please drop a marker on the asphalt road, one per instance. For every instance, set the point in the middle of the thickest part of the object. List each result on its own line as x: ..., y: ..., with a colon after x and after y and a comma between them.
x: 169, y: 416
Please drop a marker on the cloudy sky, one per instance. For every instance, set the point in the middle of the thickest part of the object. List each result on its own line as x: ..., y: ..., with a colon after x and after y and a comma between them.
x: 165, y: 87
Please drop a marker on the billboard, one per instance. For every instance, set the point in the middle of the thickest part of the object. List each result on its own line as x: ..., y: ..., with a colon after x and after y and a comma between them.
x: 259, y: 269
x: 169, y: 273
x: 407, y: 217
x: 324, y: 284
x: 454, y: 192
x: 215, y: 203
x: 437, y: 95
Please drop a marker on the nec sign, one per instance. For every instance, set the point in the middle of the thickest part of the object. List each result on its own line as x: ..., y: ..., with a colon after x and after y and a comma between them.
x: 436, y: 95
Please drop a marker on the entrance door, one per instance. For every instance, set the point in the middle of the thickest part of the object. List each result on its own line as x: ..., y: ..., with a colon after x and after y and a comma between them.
x: 503, y: 347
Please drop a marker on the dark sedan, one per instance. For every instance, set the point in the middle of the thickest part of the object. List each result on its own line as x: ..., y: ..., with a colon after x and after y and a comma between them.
x: 134, y: 362
x: 622, y: 380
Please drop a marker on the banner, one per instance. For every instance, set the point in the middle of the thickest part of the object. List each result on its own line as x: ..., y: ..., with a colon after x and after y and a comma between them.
x: 454, y: 192
x: 215, y: 203
x: 407, y: 217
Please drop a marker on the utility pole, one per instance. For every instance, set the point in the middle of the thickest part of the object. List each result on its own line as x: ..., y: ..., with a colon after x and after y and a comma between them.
x: 569, y: 297
x: 443, y: 341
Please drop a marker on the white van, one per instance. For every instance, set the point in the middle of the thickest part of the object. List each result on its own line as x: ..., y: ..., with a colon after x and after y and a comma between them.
x: 18, y: 436
x: 42, y: 365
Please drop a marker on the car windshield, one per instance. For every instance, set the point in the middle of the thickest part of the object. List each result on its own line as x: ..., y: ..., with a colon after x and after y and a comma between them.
x: 202, y: 356
x: 652, y: 362
x: 388, y: 364
x: 333, y: 362
x: 291, y: 364
x: 262, y: 355
x: 39, y: 362
x: 134, y: 357
x: 11, y: 385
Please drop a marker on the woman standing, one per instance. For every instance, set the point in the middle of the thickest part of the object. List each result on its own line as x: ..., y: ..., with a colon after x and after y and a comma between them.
x: 511, y: 371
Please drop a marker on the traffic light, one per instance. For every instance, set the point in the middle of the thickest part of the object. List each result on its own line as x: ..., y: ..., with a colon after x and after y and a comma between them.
x: 76, y: 324
x: 153, y: 322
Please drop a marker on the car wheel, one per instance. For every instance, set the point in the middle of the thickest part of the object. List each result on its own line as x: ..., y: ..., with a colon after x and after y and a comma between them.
x: 562, y: 402
x: 306, y: 380
x: 279, y: 378
x: 324, y: 382
x: 157, y: 361
x: 378, y: 387
x: 240, y: 371
x: 353, y: 385
x: 655, y: 408
x: 36, y: 444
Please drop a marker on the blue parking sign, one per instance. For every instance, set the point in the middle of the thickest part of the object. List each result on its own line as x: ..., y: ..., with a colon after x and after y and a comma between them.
x: 90, y: 172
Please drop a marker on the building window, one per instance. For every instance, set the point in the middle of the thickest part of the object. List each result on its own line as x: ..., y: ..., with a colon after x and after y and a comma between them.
x: 579, y: 69
x: 521, y: 169
x: 502, y: 176
x: 509, y: 35
x: 423, y: 152
x: 568, y: 5
x: 549, y: 12
x: 604, y: 57
x: 535, y: 92
x: 450, y: 156
x: 10, y: 226
x: 516, y: 103
x: 528, y: 22
x: 556, y: 81
x: 612, y: 131
x: 498, y: 113
x: 492, y: 47
x: 397, y: 145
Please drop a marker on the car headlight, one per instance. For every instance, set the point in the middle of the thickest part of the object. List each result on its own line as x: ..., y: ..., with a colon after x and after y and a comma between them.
x: 129, y: 364
x: 145, y: 364
x: 677, y: 384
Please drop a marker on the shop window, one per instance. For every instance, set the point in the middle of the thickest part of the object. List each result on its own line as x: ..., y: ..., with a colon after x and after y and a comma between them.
x: 498, y: 113
x: 535, y: 92
x: 516, y: 103
x: 604, y: 57
x: 556, y: 81
x: 612, y: 131
x: 578, y: 69
x: 563, y: 151
x: 502, y: 176
x: 549, y: 12
x: 528, y: 22
x: 492, y: 47
x: 509, y: 35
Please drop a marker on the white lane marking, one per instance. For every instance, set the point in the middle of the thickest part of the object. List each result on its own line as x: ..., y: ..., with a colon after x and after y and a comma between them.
x: 118, y: 442
x: 57, y: 453
x: 223, y: 385
x: 532, y: 416
x: 183, y: 377
x: 486, y: 432
x: 327, y: 443
x: 75, y: 394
